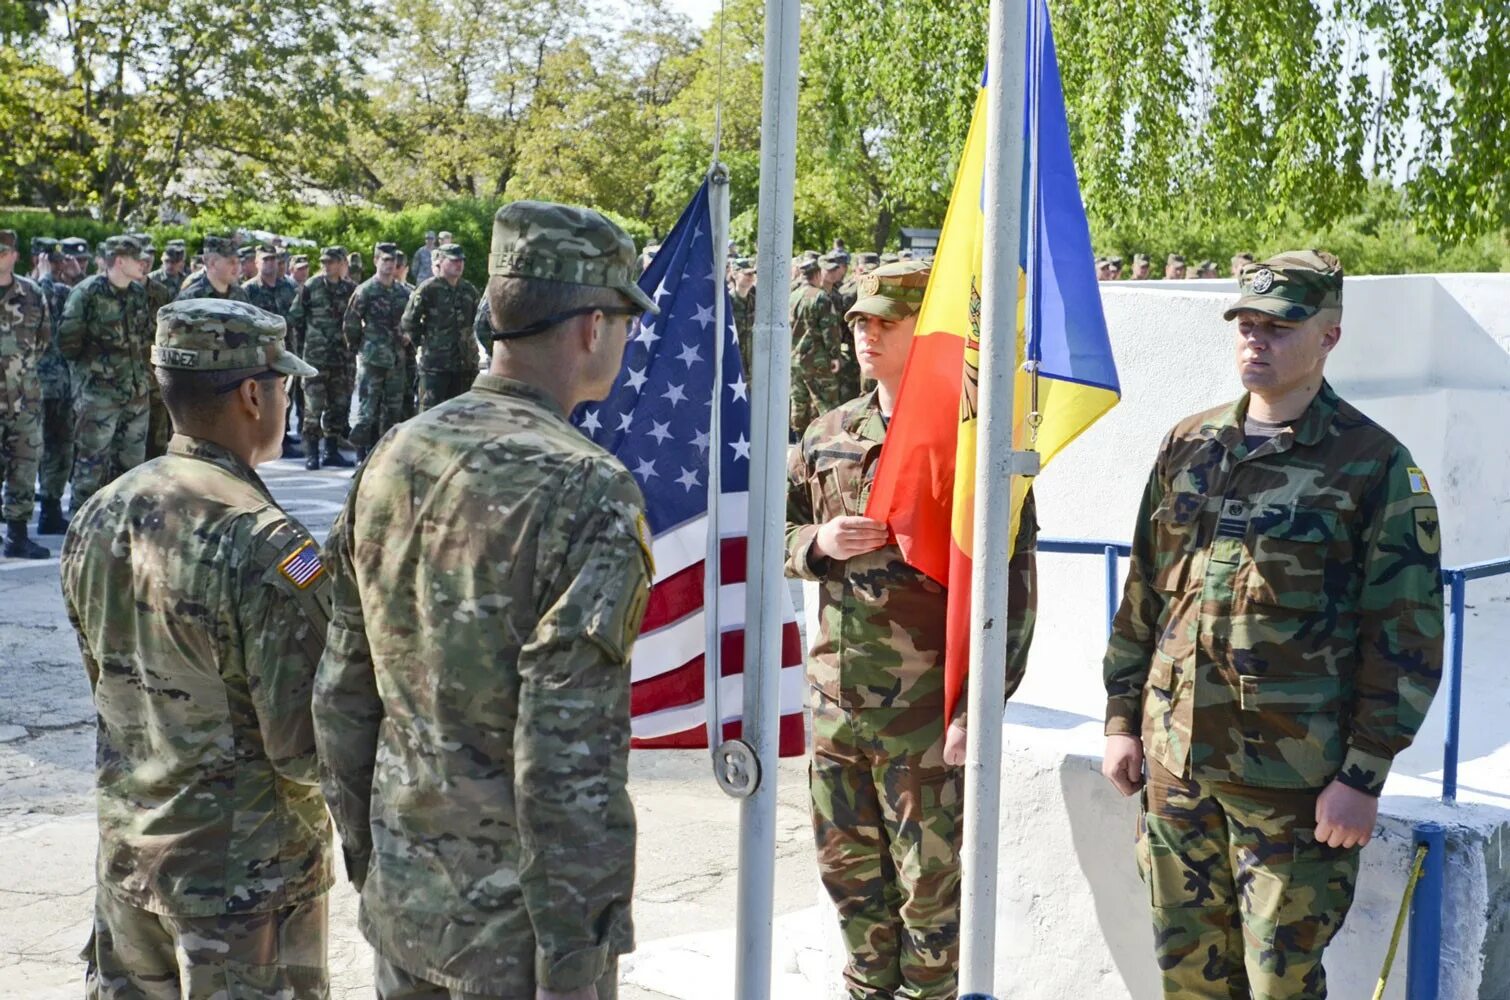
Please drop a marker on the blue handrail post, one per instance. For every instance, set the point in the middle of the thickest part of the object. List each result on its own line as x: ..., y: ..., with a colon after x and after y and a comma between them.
x: 1423, y: 964
x: 1111, y: 587
x: 1457, y: 584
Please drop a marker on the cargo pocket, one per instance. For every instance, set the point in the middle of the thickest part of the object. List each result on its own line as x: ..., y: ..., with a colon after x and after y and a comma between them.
x: 1177, y: 540
x: 1294, y: 905
x: 1289, y: 551
x: 1292, y: 731
x: 1166, y: 730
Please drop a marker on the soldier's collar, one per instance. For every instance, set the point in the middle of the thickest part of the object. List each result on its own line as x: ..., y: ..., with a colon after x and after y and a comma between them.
x: 216, y: 454
x: 1309, y: 428
x: 503, y: 386
x: 865, y: 422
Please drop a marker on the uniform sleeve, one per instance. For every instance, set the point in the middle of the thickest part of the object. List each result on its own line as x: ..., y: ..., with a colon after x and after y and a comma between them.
x: 282, y: 614
x: 297, y: 313
x: 1401, y: 624
x: 802, y: 562
x: 71, y: 326
x: 347, y: 709
x: 351, y: 324
x: 412, y: 324
x: 1135, y: 628
x: 571, y: 742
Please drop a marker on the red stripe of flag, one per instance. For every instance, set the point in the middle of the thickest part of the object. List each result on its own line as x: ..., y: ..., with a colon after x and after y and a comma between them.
x: 680, y: 594
x: 790, y: 739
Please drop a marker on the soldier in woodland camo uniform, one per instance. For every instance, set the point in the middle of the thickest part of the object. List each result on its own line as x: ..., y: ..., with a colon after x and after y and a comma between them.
x: 886, y: 803
x: 372, y: 330
x: 491, y: 570
x: 316, y: 322
x: 274, y: 292
x: 816, y: 358
x: 201, y: 610
x: 742, y: 300
x: 57, y: 391
x: 220, y: 278
x: 438, y: 321
x: 172, y: 272
x: 25, y: 328
x: 1279, y: 642
x: 105, y: 335
x: 159, y: 294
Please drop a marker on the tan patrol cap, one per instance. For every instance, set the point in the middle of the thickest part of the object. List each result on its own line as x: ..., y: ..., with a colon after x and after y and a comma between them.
x: 1292, y: 285
x: 209, y: 335
x: 540, y: 239
x: 892, y: 291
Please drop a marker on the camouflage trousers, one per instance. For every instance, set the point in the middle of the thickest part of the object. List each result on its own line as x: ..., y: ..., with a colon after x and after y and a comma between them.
x: 327, y: 402
x: 1244, y: 899
x: 380, y: 402
x: 812, y: 396
x: 109, y: 437
x: 135, y: 954
x: 394, y: 983
x: 159, y: 425
x: 20, y: 442
x: 886, y: 816
x: 411, y: 384
x: 57, y: 447
x: 437, y: 387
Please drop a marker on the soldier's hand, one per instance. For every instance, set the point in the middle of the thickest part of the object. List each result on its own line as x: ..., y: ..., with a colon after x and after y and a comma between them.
x: 586, y: 993
x: 954, y: 745
x: 1345, y: 816
x: 1123, y: 763
x: 846, y: 537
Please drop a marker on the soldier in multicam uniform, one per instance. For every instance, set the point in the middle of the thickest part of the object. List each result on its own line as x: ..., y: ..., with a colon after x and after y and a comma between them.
x: 438, y: 322
x: 57, y: 391
x: 371, y: 326
x: 816, y: 358
x: 106, y: 336
x: 201, y: 610
x: 1278, y: 644
x: 218, y: 279
x: 316, y: 325
x: 25, y: 328
x: 172, y: 272
x: 481, y: 800
x: 742, y: 301
x: 887, y: 792
x: 274, y: 292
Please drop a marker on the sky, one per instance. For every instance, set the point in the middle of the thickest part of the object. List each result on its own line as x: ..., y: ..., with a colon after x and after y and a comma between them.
x: 701, y: 11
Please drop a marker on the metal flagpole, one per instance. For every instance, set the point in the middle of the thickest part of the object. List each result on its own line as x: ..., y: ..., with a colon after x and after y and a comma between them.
x: 718, y: 219
x: 996, y: 463
x: 764, y: 580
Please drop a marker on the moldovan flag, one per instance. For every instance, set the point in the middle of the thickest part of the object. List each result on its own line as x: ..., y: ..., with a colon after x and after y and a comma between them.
x: 925, y: 482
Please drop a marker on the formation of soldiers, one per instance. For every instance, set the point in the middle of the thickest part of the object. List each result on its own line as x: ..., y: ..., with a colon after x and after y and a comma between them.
x: 82, y: 406
x: 447, y: 683
x: 1175, y: 267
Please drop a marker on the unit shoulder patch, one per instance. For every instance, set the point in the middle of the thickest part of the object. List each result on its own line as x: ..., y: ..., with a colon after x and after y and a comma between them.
x: 1418, y: 483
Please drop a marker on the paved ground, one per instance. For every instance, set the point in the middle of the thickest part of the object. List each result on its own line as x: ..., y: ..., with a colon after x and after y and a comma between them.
x: 686, y: 881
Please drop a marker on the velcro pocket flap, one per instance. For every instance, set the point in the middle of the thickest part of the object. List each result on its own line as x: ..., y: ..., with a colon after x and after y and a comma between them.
x: 1290, y: 694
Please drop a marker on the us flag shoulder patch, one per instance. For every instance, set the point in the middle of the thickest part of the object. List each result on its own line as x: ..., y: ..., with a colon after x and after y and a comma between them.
x: 303, y: 567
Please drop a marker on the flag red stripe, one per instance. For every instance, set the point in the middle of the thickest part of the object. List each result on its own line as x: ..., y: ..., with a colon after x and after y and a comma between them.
x: 684, y: 685
x: 791, y: 738
x: 680, y: 594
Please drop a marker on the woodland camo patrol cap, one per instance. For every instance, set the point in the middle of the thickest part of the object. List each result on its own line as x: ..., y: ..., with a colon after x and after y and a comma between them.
x: 1292, y: 285
x: 892, y: 291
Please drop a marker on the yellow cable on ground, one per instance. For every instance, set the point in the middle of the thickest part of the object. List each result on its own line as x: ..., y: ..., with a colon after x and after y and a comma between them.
x: 1394, y: 939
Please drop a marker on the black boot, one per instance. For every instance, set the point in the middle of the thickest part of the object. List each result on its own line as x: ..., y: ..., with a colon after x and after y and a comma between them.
x: 332, y: 457
x: 312, y: 460
x: 291, y: 449
x: 51, y: 521
x: 18, y: 546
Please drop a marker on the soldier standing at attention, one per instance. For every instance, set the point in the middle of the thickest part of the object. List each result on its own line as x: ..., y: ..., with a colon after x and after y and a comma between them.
x: 218, y: 278
x: 274, y: 292
x: 57, y: 391
x: 354, y: 267
x: 1279, y: 642
x: 1174, y: 267
x: 1142, y: 265
x: 833, y: 268
x: 201, y: 610
x: 742, y: 301
x: 816, y: 330
x: 371, y: 326
x: 438, y: 321
x: 105, y: 336
x: 25, y: 329
x: 316, y: 324
x: 298, y: 269
x: 159, y: 294
x: 424, y: 259
x: 246, y: 259
x: 172, y: 271
x: 887, y: 792
x: 1240, y: 262
x: 481, y: 799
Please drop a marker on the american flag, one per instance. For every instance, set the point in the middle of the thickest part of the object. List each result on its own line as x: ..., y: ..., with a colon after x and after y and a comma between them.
x: 658, y: 422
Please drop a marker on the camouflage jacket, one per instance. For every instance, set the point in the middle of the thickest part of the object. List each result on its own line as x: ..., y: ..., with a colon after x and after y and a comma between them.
x: 106, y: 334
x: 491, y: 571
x: 1282, y: 620
x: 201, y: 610
x: 277, y: 298
x: 25, y: 331
x: 881, y: 622
x: 438, y: 321
x: 197, y: 286
x: 372, y: 322
x: 175, y: 282
x: 816, y: 333
x: 53, y: 368
x: 316, y: 321
x: 744, y: 326
x: 848, y: 379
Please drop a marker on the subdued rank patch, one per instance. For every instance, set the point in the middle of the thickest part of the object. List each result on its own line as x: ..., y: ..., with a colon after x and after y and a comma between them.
x: 1428, y: 531
x: 1234, y: 520
x: 303, y: 567
x: 1418, y: 483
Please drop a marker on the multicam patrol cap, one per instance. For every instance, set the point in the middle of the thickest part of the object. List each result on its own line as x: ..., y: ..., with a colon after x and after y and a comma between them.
x: 892, y: 291
x: 537, y: 239
x: 211, y: 335
x: 1293, y: 285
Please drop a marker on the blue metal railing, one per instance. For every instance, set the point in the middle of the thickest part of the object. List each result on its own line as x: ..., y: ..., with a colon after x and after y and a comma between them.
x: 1424, y: 961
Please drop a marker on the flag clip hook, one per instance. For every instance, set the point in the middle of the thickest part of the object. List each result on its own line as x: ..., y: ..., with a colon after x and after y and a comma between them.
x: 737, y: 768
x: 1035, y: 416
